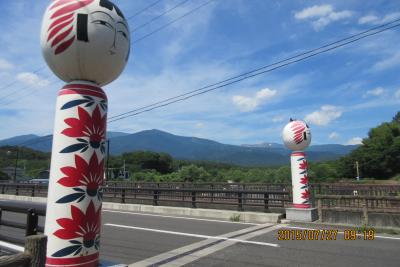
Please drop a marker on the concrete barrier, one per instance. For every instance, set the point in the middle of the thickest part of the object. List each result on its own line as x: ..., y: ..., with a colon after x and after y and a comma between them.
x: 243, y: 216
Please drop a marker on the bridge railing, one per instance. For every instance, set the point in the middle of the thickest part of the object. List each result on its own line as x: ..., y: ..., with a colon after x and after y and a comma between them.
x: 32, y: 211
x: 195, y: 197
x: 26, y: 234
x: 251, y: 196
x: 356, y: 189
x: 374, y: 210
x: 188, y: 195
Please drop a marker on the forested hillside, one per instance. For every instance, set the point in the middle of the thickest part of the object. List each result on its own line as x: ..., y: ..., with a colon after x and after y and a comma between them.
x: 378, y: 158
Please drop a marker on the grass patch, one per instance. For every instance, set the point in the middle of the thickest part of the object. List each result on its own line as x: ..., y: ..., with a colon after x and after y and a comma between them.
x: 235, y: 218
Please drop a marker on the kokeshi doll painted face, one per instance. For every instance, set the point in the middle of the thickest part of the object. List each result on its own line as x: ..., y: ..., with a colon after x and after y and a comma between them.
x: 85, y: 40
x: 296, y: 135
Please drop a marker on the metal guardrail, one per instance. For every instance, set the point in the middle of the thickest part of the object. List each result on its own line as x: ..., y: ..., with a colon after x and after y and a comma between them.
x: 32, y: 212
x: 194, y: 197
x: 254, y: 196
x: 167, y: 195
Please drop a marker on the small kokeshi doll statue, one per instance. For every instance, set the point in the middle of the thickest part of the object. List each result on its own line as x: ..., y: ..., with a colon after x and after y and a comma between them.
x: 86, y: 43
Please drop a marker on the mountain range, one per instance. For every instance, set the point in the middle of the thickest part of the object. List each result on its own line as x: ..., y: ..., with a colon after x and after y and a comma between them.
x: 193, y: 148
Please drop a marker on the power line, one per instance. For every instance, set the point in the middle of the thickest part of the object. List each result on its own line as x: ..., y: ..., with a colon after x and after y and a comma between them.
x: 144, y: 9
x: 15, y: 81
x: 172, y: 21
x: 307, y: 55
x: 44, y: 66
x: 262, y: 70
x: 258, y: 71
x: 141, y: 38
x: 25, y: 95
x: 159, y: 16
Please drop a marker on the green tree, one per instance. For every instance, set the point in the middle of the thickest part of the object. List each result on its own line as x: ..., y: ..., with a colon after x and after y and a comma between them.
x: 193, y: 173
x: 4, y: 176
x: 147, y: 160
x: 379, y: 154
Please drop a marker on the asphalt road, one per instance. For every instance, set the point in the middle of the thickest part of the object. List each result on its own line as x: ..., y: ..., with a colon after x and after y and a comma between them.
x: 152, y: 240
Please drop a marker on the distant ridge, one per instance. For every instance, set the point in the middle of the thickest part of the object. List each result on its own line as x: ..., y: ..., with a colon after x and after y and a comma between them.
x: 193, y: 148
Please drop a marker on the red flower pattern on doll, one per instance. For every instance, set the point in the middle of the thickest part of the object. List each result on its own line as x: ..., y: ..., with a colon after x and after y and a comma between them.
x: 303, y: 165
x: 92, y: 127
x: 304, y: 180
x: 305, y: 194
x: 81, y: 225
x: 85, y: 174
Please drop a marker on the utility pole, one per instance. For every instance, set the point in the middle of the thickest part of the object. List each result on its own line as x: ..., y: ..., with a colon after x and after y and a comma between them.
x: 124, y: 171
x: 357, y: 171
x: 16, y: 166
x: 108, y: 156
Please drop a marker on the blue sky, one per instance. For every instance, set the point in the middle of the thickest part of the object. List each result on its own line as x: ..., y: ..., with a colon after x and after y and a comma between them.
x: 341, y: 94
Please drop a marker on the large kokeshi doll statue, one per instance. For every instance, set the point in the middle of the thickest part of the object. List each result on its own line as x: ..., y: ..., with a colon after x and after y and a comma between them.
x: 297, y: 137
x: 86, y: 43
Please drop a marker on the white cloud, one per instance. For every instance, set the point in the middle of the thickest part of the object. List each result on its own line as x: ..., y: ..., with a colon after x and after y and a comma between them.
x: 322, y: 15
x: 374, y: 20
x: 390, y: 17
x: 314, y: 12
x: 369, y: 19
x: 199, y: 125
x: 278, y: 118
x: 32, y: 79
x: 5, y: 65
x: 245, y: 103
x: 374, y: 92
x: 387, y: 63
x: 324, y: 116
x: 354, y: 141
x: 397, y: 94
x: 333, y: 135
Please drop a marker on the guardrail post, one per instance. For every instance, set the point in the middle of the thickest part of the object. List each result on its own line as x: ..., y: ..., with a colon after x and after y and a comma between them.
x: 17, y: 190
x: 183, y: 192
x: 3, y: 189
x: 194, y: 199
x: 33, y: 191
x: 155, y: 198
x: 35, y: 247
x: 319, y: 206
x: 266, y: 201
x: 365, y: 211
x: 240, y: 201
x: 31, y: 222
x: 123, y: 195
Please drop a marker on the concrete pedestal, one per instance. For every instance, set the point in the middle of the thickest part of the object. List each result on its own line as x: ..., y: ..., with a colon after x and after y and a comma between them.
x: 303, y: 215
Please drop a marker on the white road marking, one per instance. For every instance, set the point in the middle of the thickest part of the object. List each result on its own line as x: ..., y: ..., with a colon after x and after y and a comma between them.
x: 341, y: 232
x: 192, y: 252
x: 178, y: 217
x: 11, y: 246
x: 212, y: 249
x: 192, y: 235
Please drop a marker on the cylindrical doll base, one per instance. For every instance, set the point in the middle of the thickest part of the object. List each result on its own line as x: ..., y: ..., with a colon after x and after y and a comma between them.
x: 300, y: 187
x: 76, y: 176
